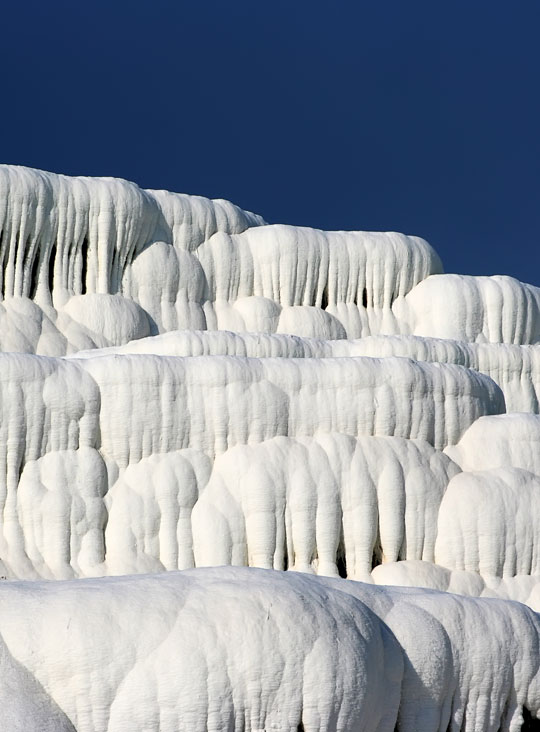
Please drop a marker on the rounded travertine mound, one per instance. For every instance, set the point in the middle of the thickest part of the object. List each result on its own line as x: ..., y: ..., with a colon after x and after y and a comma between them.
x: 211, y: 650
x: 149, y: 526
x: 311, y: 322
x: 327, y: 504
x: 489, y: 522
x: 416, y: 573
x: 495, y: 309
x: 110, y: 317
x: 62, y: 515
x: 458, y: 658
x: 354, y: 278
x: 192, y: 220
x: 505, y: 440
x: 239, y: 649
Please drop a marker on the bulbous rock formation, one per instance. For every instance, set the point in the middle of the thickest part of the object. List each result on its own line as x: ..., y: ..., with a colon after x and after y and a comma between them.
x: 185, y: 387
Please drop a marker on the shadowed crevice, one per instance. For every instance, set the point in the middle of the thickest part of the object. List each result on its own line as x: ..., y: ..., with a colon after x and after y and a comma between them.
x: 530, y: 723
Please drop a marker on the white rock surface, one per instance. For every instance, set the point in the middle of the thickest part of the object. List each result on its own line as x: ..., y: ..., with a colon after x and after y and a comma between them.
x: 189, y: 262
x: 68, y: 243
x: 489, y: 522
x: 322, y: 504
x: 210, y: 650
x: 226, y: 343
x: 495, y: 309
x: 250, y: 649
x: 506, y: 440
x: 416, y: 573
x: 516, y: 369
x: 75, y: 436
x: 237, y: 393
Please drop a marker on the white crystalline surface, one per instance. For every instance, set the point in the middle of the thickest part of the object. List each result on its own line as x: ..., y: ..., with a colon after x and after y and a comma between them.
x: 106, y: 457
x: 185, y: 387
x: 234, y: 648
x: 516, y: 369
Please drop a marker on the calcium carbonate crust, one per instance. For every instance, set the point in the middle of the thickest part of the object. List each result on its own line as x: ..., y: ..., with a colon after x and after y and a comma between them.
x: 120, y: 464
x: 183, y: 386
x: 241, y: 649
x: 516, y: 369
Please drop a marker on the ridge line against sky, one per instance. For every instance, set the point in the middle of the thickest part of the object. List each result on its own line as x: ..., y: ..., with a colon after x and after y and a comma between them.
x: 416, y: 117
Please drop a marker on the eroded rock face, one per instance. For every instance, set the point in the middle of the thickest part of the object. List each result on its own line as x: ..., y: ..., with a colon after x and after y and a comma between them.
x: 184, y: 386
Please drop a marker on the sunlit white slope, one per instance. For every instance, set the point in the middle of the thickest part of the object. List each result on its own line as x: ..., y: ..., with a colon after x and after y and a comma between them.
x: 245, y: 649
x: 497, y: 309
x: 188, y: 343
x: 489, y: 522
x: 67, y: 244
x: 416, y: 573
x: 516, y: 369
x: 112, y: 453
x: 324, y: 504
x: 214, y: 650
x: 88, y: 262
x: 505, y: 440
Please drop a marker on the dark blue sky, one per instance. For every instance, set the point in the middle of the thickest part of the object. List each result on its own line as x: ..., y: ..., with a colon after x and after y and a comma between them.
x: 421, y: 117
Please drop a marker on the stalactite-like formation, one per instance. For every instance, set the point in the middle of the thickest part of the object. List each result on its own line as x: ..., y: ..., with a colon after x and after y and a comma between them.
x: 184, y: 387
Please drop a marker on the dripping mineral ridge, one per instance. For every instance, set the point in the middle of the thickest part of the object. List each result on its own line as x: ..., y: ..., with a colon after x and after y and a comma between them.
x: 259, y: 477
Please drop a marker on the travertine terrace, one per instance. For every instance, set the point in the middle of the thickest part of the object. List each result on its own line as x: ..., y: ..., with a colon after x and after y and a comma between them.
x: 259, y: 477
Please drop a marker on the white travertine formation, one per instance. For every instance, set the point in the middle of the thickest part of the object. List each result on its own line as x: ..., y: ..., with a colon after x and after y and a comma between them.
x: 495, y: 309
x: 65, y: 236
x: 203, y: 652
x: 58, y: 527
x: 516, y: 369
x: 474, y: 632
x: 125, y: 445
x: 68, y: 244
x: 489, y: 522
x: 149, y: 507
x: 505, y: 440
x: 151, y: 404
x: 326, y: 504
x: 226, y: 343
x: 417, y: 573
x: 237, y: 393
x: 353, y: 278
x: 245, y: 649
x: 313, y: 504
x: 187, y: 262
